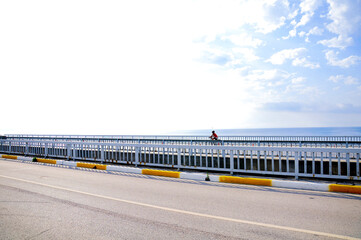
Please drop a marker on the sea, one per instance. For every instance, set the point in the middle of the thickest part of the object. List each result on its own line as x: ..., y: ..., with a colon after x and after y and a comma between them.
x: 309, y: 131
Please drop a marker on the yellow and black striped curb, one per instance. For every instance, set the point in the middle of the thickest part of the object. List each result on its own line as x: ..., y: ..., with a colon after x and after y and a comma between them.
x: 43, y: 160
x: 201, y: 176
x: 163, y: 173
x: 241, y: 180
x: 92, y: 165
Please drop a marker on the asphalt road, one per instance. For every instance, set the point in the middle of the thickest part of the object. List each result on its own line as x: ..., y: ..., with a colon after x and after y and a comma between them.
x: 38, y: 201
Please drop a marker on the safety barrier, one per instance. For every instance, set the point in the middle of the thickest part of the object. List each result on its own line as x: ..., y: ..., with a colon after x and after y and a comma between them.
x: 338, y: 163
x: 270, y: 141
x: 183, y: 137
x: 205, y: 177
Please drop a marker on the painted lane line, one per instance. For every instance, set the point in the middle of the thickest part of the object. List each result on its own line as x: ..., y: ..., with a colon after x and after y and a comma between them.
x: 188, y: 212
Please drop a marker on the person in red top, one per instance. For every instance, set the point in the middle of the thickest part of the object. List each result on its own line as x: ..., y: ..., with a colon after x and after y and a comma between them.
x: 214, y: 136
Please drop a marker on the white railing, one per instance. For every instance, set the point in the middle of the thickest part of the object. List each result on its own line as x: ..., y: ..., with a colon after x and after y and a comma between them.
x: 325, y: 142
x: 338, y: 163
x: 184, y: 137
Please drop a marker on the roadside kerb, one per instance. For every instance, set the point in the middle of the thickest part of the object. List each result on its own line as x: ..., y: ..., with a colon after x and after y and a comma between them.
x: 92, y: 165
x: 172, y: 174
x: 44, y: 160
x: 243, y: 180
x: 202, y: 176
x: 9, y: 156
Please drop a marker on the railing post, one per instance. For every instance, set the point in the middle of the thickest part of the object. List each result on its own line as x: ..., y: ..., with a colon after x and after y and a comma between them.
x: 296, y: 166
x: 339, y: 164
x: 137, y: 156
x: 68, y: 149
x: 102, y: 157
x: 74, y: 152
x: 179, y: 158
x: 46, y: 149
x: 26, y: 148
x: 358, y: 165
x: 231, y: 161
x: 348, y: 164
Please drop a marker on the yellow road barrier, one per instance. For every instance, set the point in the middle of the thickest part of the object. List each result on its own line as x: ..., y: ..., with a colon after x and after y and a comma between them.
x: 344, y: 188
x: 43, y: 160
x: 250, y: 181
x: 172, y: 174
x: 92, y: 165
x: 10, y: 157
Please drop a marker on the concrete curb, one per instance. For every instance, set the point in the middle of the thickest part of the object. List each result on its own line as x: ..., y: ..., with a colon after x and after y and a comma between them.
x: 325, y: 187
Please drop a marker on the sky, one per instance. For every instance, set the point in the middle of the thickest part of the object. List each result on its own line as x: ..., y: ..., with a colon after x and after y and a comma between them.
x: 158, y: 67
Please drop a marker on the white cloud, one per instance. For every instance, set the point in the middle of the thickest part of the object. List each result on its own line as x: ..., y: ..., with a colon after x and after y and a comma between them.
x: 264, y: 84
x: 272, y: 14
x: 345, y: 16
x: 314, y: 31
x: 306, y: 107
x: 347, y: 80
x: 345, y: 20
x: 312, y: 92
x: 308, y: 7
x: 243, y: 40
x: 216, y: 56
x: 332, y: 60
x: 297, y: 87
x: 351, y: 81
x: 337, y: 42
x: 247, y: 53
x: 302, y: 33
x: 304, y: 20
x: 229, y: 58
x: 207, y: 19
x: 292, y: 15
x: 298, y: 80
x: 281, y: 56
x: 266, y: 75
x: 292, y: 33
x: 303, y: 62
x: 336, y: 79
x: 296, y: 55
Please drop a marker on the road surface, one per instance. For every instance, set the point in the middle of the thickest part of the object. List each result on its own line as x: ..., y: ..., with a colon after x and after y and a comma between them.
x: 39, y: 201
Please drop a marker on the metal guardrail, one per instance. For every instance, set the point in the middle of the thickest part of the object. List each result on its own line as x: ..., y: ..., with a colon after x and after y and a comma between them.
x: 337, y: 163
x: 282, y: 141
x: 184, y: 137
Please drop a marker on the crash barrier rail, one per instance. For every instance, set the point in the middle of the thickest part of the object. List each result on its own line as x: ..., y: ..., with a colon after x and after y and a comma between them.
x: 183, y: 137
x: 337, y: 163
x: 281, y: 141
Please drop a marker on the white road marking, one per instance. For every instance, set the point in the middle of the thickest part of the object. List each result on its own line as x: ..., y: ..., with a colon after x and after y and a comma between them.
x: 188, y: 212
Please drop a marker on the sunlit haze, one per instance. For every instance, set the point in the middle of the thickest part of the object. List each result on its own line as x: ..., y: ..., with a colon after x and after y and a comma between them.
x: 155, y: 67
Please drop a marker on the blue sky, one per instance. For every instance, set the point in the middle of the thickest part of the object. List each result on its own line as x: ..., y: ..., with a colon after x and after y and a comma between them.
x: 154, y: 67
